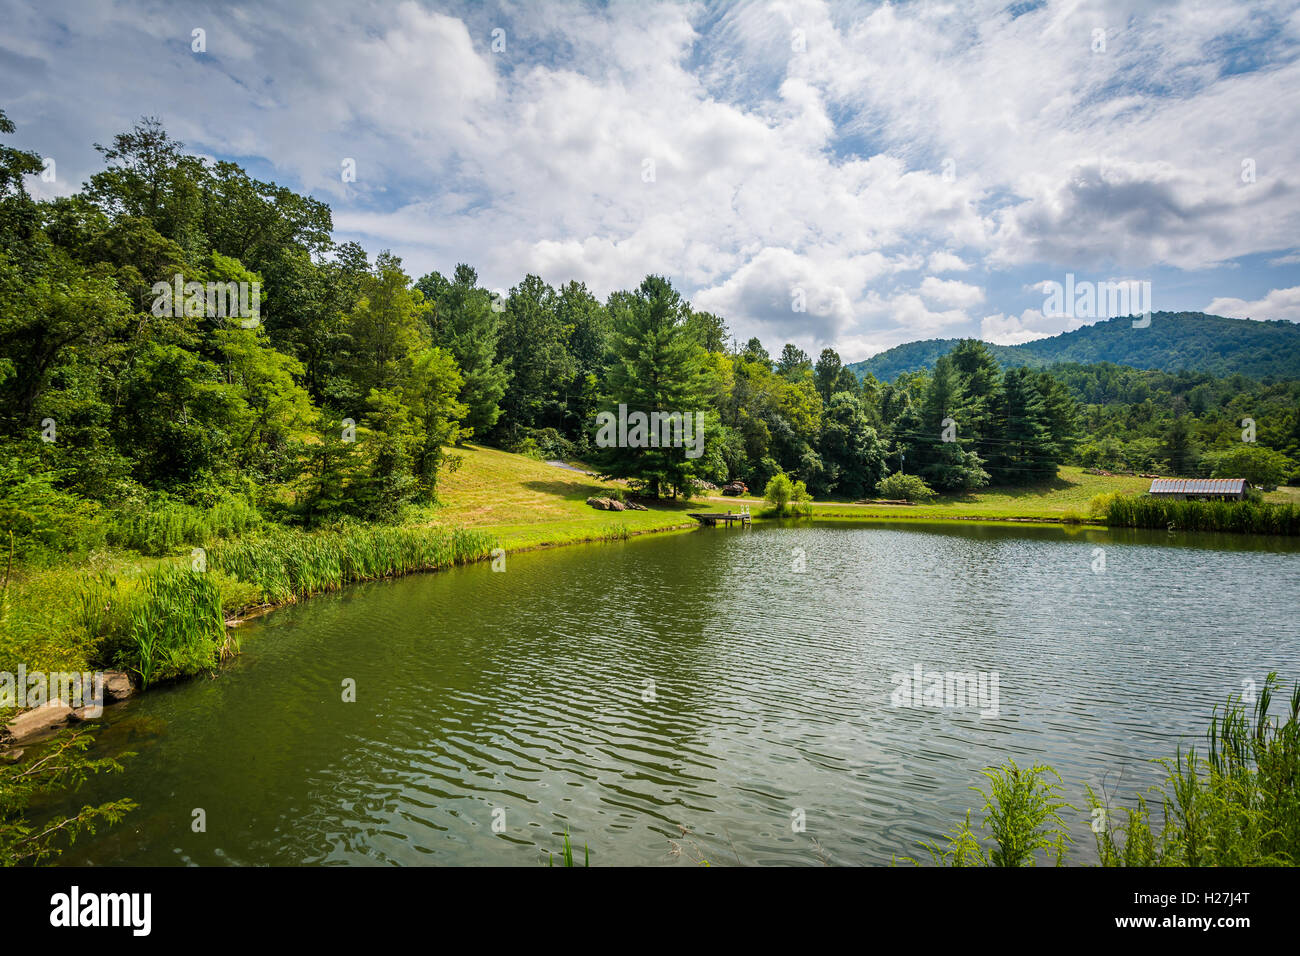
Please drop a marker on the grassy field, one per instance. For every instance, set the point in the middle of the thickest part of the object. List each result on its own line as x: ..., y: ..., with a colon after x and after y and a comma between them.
x: 1066, y: 498
x: 527, y: 503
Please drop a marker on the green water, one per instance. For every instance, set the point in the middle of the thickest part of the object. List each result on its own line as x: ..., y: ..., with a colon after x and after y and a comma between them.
x: 524, y: 699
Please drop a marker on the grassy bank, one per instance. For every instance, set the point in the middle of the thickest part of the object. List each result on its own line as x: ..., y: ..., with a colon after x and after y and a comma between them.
x: 165, y: 619
x: 527, y: 503
x: 160, y: 618
x: 1066, y: 498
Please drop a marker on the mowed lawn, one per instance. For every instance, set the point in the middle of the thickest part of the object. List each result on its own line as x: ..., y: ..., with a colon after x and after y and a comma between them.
x: 1067, y: 497
x: 528, y: 503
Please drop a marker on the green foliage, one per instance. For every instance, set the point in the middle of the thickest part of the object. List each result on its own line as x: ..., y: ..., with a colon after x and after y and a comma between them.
x: 1237, y: 806
x: 60, y: 766
x: 544, y: 444
x: 1022, y: 822
x: 160, y: 525
x: 779, y: 492
x: 41, y: 520
x: 465, y: 321
x: 655, y: 366
x: 852, y: 452
x: 287, y: 565
x: 176, y: 625
x: 1245, y: 517
x: 1257, y: 464
x: 786, y: 496
x: 901, y: 487
x: 936, y: 434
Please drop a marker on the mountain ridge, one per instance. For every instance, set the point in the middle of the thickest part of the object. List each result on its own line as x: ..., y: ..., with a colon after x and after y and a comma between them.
x: 1174, y: 341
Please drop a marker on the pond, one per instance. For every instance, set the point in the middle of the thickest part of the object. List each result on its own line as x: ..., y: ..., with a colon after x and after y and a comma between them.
x: 750, y: 687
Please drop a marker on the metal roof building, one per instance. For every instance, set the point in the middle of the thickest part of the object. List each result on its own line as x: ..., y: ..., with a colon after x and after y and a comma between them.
x: 1231, y: 488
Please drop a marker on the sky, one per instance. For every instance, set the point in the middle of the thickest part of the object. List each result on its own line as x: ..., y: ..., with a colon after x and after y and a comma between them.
x: 845, y: 175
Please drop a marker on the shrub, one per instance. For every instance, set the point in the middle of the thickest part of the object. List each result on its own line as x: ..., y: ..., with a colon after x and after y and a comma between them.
x: 786, y: 496
x: 160, y: 525
x: 544, y: 444
x: 43, y: 521
x: 906, y: 487
x: 1100, y: 504
x: 1236, y: 806
x: 1022, y: 821
x: 528, y: 448
x: 779, y: 492
x: 801, y: 500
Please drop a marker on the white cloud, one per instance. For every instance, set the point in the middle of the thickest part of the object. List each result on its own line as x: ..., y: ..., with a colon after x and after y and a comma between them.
x: 774, y: 168
x: 1278, y: 304
x: 943, y: 261
x: 951, y: 292
x: 1029, y: 325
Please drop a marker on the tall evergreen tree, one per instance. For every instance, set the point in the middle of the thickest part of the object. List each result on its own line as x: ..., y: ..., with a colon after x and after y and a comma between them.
x: 656, y: 365
x: 465, y: 323
x: 981, y: 382
x: 938, y: 449
x: 1025, y: 451
x: 534, y: 348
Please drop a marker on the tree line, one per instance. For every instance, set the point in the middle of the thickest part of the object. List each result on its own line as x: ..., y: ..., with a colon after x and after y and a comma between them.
x: 348, y: 392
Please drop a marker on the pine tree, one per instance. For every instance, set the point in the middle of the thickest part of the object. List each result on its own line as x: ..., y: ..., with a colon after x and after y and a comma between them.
x: 939, y: 447
x: 656, y: 365
x: 981, y: 382
x: 465, y: 323
x: 1026, y: 450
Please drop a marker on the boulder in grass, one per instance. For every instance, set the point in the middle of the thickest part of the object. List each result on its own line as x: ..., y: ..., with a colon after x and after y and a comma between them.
x: 735, y: 488
x: 635, y: 506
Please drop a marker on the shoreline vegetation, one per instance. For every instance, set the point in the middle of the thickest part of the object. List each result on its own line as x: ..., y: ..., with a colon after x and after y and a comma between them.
x: 1233, y: 804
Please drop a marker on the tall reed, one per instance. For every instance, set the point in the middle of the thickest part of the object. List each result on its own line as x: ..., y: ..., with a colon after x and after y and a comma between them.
x: 175, y: 625
x: 288, y: 565
x: 1246, y: 517
x: 1238, y: 805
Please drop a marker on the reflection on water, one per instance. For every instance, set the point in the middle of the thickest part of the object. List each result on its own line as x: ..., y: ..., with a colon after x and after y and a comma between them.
x: 702, y: 681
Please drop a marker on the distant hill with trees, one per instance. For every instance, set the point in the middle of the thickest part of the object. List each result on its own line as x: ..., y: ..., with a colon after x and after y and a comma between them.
x: 1175, y: 341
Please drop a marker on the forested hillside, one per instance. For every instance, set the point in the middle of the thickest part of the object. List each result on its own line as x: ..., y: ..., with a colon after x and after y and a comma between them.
x: 1175, y: 341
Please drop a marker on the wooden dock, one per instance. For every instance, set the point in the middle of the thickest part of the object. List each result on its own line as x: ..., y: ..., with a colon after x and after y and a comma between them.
x: 713, y: 519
